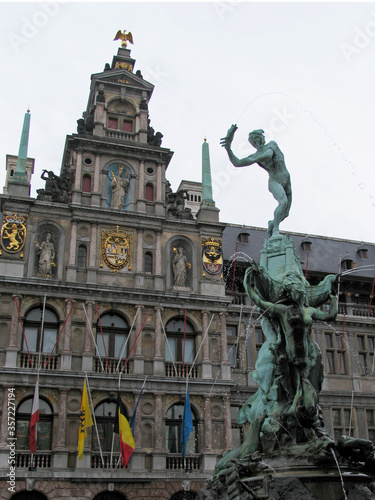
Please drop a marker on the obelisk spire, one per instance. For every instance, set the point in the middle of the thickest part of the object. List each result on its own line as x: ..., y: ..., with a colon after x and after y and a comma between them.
x: 20, y: 175
x: 206, y: 176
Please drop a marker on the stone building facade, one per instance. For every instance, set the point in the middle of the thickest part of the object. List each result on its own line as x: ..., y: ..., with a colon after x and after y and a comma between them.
x: 103, y: 267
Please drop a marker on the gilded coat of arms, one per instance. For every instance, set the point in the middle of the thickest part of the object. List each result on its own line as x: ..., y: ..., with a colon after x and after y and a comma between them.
x: 212, y: 255
x: 116, y: 248
x: 13, y: 233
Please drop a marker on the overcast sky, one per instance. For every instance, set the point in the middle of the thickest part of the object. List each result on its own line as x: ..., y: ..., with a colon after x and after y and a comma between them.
x: 303, y: 72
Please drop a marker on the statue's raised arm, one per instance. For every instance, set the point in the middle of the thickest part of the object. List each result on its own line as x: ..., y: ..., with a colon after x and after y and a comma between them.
x: 270, y: 158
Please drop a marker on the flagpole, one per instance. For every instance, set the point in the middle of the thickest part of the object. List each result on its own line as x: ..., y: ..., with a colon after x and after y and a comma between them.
x: 93, y: 417
x: 127, y: 340
x: 113, y: 433
x: 169, y: 349
x: 138, y: 334
x: 204, y: 336
x: 93, y: 338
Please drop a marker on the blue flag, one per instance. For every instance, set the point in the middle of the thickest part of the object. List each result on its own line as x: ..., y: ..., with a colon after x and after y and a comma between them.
x: 187, y: 424
x: 132, y: 421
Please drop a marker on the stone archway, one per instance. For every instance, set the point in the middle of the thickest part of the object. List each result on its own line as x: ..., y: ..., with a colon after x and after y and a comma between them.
x: 110, y: 495
x: 184, y: 495
x: 29, y: 495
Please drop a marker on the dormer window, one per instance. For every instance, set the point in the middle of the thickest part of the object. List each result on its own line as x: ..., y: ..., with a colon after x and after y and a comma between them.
x: 363, y: 252
x: 306, y: 245
x: 347, y: 262
x: 243, y: 237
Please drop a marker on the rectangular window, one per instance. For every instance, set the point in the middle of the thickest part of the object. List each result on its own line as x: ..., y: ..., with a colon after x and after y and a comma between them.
x: 49, y: 339
x: 31, y: 338
x: 370, y: 420
x: 112, y: 123
x: 127, y: 126
x: 335, y: 355
x: 342, y: 420
x: 233, y: 355
x: 365, y: 345
x: 231, y: 330
x: 99, y: 343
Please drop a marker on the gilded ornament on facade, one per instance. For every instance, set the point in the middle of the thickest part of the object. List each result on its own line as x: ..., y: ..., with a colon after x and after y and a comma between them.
x: 124, y: 65
x: 13, y: 233
x: 116, y: 248
x: 212, y: 255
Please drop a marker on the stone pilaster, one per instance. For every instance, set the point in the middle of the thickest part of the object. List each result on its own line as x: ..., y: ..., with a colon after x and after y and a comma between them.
x: 158, y: 277
x: 76, y: 196
x: 66, y: 354
x: 225, y: 365
x: 206, y: 362
x: 87, y: 356
x: 158, y: 358
x: 91, y: 272
x: 138, y: 361
x: 72, y: 268
x: 159, y: 456
x: 209, y: 457
x: 11, y: 352
x: 227, y: 424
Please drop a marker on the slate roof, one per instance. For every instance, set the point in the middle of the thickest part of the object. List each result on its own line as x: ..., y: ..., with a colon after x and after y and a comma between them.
x: 324, y: 256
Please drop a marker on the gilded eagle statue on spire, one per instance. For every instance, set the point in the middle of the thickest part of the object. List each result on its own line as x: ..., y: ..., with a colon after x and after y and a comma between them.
x: 125, y: 37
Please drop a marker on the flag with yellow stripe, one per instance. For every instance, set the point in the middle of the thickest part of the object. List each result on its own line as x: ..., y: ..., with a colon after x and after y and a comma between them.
x: 122, y: 427
x: 85, y: 420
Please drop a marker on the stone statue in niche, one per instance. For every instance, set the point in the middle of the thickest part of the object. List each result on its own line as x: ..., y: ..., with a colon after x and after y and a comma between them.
x: 180, y: 267
x: 46, y: 251
x: 119, y: 187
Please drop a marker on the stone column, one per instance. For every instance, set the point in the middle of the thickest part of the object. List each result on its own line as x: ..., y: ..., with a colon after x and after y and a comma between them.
x: 66, y: 354
x: 225, y: 365
x: 95, y: 197
x: 60, y: 457
x: 206, y: 362
x: 158, y: 182
x: 138, y: 361
x: 11, y: 352
x: 76, y: 197
x: 227, y: 424
x: 139, y: 275
x: 141, y: 202
x: 137, y: 462
x: 72, y: 268
x: 91, y: 272
x: 158, y: 277
x: 159, y: 454
x: 207, y: 423
x: 209, y: 457
x: 87, y: 356
x: 158, y: 358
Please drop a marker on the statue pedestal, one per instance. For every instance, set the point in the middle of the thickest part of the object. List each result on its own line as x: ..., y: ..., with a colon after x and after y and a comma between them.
x: 279, y: 257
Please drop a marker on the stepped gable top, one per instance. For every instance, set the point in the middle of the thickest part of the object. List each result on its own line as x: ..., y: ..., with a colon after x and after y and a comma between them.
x: 324, y: 256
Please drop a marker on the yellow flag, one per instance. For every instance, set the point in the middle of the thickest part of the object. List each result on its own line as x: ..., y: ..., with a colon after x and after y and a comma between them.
x: 85, y: 420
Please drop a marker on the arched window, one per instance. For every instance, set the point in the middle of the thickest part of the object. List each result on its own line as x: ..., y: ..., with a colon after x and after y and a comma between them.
x: 86, y: 183
x: 149, y: 192
x: 82, y: 256
x: 148, y: 262
x: 178, y: 349
x: 115, y: 333
x: 33, y: 326
x: 105, y: 415
x: 45, y: 425
x: 173, y: 430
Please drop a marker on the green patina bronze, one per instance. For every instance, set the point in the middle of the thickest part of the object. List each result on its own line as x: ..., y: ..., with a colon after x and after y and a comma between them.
x: 284, y: 413
x: 269, y: 157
